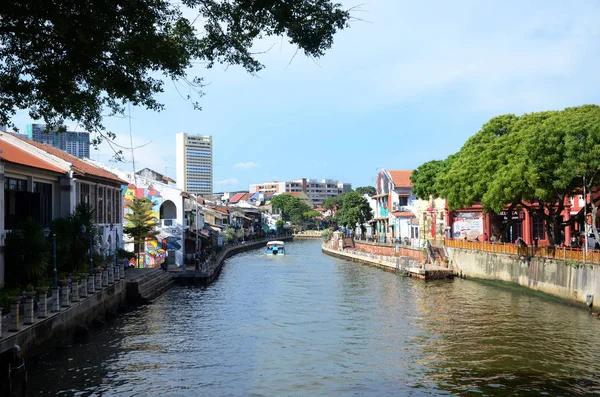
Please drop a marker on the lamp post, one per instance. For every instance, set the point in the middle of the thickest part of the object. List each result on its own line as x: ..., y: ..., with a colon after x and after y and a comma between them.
x: 83, y: 228
x: 55, y: 273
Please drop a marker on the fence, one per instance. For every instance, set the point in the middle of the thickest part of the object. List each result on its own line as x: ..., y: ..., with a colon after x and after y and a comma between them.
x: 547, y: 252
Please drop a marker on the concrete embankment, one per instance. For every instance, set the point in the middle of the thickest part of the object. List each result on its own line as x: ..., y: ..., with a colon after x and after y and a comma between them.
x: 404, y: 265
x: 312, y: 234
x: 63, y: 327
x: 576, y: 282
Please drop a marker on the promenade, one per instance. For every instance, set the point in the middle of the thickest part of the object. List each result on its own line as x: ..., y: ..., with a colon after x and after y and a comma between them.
x: 402, y: 264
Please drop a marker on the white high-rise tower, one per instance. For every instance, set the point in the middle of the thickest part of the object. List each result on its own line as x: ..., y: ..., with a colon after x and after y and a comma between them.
x: 194, y: 164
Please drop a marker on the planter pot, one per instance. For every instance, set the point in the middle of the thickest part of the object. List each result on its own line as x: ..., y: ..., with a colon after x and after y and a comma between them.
x: 98, y: 270
x: 42, y: 290
x: 30, y: 294
x: 15, y: 299
x: 63, y: 283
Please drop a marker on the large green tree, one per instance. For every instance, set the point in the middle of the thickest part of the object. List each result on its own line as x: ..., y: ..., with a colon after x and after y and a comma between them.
x: 292, y: 208
x: 355, y: 210
x: 370, y: 190
x: 141, y: 224
x: 425, y: 179
x: 74, y: 59
x: 533, y: 162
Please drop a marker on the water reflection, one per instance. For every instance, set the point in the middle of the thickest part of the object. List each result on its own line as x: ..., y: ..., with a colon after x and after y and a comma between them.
x: 308, y: 324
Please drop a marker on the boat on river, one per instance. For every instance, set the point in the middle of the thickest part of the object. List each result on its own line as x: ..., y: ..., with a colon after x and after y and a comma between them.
x: 275, y: 247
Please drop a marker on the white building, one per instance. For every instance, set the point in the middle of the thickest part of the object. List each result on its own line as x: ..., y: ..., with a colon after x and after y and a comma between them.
x: 168, y: 211
x: 194, y: 163
x: 316, y: 189
x: 396, y: 207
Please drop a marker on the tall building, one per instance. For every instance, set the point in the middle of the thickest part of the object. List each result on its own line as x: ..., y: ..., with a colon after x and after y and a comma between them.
x: 194, y: 163
x: 317, y: 189
x: 76, y: 143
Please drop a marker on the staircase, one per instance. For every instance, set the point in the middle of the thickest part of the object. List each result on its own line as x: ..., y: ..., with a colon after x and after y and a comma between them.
x: 438, y: 254
x: 148, y: 287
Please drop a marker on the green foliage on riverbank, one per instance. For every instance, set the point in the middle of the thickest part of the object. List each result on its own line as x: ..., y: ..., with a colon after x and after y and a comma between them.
x: 532, y: 162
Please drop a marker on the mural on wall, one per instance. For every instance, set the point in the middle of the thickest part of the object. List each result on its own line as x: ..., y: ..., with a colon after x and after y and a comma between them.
x: 383, y: 207
x: 170, y: 234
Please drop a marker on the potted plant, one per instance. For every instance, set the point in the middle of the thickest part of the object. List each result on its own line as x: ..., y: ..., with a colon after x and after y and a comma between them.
x: 29, y: 291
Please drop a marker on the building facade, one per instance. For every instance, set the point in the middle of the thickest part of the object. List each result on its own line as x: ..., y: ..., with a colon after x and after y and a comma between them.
x: 76, y: 143
x: 396, y: 207
x: 317, y: 189
x: 194, y: 163
x: 167, y: 211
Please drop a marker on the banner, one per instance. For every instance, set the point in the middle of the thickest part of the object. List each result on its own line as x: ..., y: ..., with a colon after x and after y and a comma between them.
x: 467, y: 224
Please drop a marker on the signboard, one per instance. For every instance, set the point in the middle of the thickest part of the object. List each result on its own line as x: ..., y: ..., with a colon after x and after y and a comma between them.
x: 219, y: 241
x: 467, y: 224
x: 515, y: 215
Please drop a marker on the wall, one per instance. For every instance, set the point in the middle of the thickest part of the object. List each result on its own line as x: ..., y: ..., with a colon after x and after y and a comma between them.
x: 169, y: 237
x: 552, y: 277
x: 59, y: 328
x: 389, y: 250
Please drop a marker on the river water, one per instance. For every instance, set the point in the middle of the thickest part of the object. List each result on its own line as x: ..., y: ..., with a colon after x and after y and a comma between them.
x: 310, y: 325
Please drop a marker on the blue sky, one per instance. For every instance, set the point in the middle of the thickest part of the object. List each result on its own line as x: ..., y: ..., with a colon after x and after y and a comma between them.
x: 408, y: 83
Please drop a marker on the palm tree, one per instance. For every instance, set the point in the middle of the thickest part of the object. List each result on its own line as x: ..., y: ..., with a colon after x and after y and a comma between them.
x: 141, y: 223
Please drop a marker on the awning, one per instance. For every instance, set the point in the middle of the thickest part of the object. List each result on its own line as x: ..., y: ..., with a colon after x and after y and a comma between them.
x: 213, y: 228
x: 380, y: 195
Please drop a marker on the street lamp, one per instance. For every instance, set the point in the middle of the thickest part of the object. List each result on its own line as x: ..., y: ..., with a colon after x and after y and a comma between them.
x: 55, y: 273
x: 83, y: 228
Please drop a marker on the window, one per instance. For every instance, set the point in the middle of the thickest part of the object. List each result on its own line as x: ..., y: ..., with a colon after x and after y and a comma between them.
x: 538, y: 227
x: 117, y: 206
x: 109, y: 201
x: 45, y: 193
x: 19, y: 203
x: 84, y: 193
x: 402, y: 201
x: 100, y: 206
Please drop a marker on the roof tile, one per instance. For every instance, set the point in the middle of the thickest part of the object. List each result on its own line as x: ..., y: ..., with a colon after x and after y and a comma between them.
x: 78, y: 165
x: 401, y: 178
x: 15, y: 154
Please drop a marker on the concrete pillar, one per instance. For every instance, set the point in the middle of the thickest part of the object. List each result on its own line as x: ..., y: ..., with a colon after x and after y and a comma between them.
x: 104, y: 278
x: 55, y: 304
x: 14, y: 311
x: 98, y: 280
x: 64, y: 294
x: 117, y: 273
x: 527, y: 226
x: 28, y: 317
x: 42, y: 303
x: 83, y: 285
x: 567, y: 217
x: 75, y: 290
x: 91, y: 283
x: 111, y: 275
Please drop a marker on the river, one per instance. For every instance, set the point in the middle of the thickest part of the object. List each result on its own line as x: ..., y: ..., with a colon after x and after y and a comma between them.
x: 311, y: 325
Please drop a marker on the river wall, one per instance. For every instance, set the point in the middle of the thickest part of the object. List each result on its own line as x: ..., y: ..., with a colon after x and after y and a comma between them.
x: 62, y: 327
x: 575, y: 282
x: 387, y: 250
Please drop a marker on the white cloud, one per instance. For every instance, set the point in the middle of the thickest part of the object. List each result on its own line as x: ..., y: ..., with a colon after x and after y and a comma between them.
x: 246, y: 165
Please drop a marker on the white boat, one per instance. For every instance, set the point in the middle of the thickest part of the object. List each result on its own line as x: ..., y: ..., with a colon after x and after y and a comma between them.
x: 275, y: 248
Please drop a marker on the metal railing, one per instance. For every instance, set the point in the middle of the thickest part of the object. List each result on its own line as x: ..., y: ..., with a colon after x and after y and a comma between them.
x: 547, y: 252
